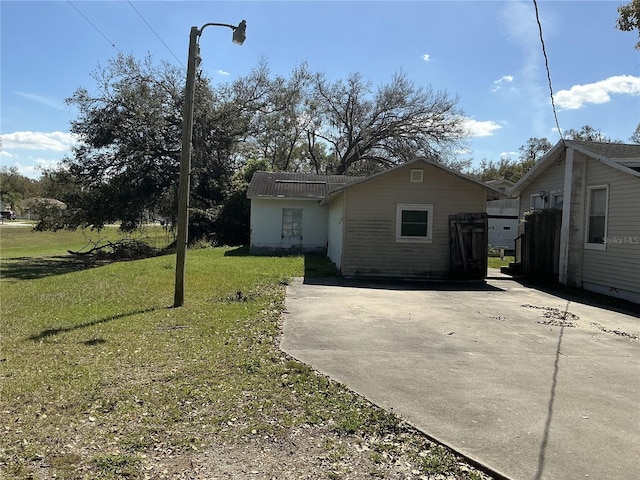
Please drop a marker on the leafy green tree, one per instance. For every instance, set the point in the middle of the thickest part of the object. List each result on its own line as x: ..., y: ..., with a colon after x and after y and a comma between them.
x: 127, y: 164
x: 587, y: 133
x: 509, y: 169
x: 532, y: 151
x: 629, y: 18
x: 14, y: 187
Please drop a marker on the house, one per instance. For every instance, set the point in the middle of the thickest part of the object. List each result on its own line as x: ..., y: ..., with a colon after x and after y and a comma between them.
x: 503, y: 217
x: 397, y: 223
x: 596, y: 186
x: 286, y: 215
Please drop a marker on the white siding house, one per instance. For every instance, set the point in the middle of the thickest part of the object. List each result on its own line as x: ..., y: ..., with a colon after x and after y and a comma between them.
x: 286, y: 215
x: 597, y: 188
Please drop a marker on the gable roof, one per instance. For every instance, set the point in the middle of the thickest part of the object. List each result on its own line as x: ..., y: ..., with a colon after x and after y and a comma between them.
x: 621, y: 156
x: 492, y: 193
x: 301, y: 186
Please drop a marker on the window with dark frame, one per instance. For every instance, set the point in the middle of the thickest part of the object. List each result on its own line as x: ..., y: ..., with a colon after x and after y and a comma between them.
x: 414, y: 223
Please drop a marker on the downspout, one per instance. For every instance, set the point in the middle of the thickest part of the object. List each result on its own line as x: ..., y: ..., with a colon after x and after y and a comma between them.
x: 563, y: 266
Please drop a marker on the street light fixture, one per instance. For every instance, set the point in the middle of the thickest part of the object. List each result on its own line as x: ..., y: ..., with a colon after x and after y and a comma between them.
x: 239, y: 37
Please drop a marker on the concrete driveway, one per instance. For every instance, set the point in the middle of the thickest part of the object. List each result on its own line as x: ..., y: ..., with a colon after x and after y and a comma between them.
x: 531, y: 385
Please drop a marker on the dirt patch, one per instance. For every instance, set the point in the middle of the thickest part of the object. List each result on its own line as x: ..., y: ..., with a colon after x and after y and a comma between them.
x: 613, y: 331
x: 310, y: 452
x: 554, y: 316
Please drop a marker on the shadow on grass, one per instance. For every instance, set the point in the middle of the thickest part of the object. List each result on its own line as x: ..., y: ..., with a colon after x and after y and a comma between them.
x: 50, y: 332
x: 31, y: 268
x: 242, y: 251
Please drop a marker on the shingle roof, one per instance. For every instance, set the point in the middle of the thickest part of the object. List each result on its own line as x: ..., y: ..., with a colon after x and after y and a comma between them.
x: 612, y: 151
x: 295, y: 185
x: 624, y: 157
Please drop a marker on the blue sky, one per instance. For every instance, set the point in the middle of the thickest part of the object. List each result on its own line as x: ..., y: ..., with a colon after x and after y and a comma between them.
x: 488, y: 53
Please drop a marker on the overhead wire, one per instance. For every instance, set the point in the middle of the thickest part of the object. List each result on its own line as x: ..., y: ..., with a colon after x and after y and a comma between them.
x: 155, y: 33
x: 94, y: 26
x: 546, y: 63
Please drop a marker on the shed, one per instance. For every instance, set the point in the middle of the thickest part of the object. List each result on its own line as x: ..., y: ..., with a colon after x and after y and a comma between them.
x: 398, y: 223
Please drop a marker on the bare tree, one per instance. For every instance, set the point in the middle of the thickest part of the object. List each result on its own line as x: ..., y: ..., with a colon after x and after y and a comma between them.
x: 368, y: 130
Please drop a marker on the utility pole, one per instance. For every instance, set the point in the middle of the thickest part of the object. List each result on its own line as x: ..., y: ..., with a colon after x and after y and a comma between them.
x: 185, y: 155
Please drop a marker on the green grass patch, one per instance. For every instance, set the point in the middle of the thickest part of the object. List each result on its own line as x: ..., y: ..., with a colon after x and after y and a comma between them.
x: 495, y: 262
x: 99, y: 373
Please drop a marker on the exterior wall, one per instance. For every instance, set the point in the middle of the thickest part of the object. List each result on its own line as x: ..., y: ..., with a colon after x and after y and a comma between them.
x: 370, y: 246
x: 616, y: 269
x: 551, y: 180
x: 503, y: 231
x: 266, y: 226
x: 336, y: 221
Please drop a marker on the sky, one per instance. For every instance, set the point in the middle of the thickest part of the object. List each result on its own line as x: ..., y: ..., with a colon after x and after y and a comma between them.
x: 488, y: 54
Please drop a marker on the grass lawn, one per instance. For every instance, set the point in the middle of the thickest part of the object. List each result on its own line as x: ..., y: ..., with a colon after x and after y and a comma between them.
x: 100, y: 378
x: 495, y: 262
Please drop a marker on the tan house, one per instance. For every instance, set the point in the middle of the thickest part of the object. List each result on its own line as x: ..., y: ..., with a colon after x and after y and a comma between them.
x: 596, y: 186
x: 403, y: 222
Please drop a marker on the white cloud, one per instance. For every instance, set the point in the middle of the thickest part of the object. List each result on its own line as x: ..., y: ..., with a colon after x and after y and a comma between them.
x: 426, y: 57
x: 5, y: 154
x: 599, y: 92
x: 498, y: 83
x: 508, y: 154
x: 48, y: 101
x: 475, y: 128
x: 222, y: 72
x: 49, y: 141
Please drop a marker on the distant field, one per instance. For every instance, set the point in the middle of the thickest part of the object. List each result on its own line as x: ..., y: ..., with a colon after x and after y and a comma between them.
x: 22, y: 241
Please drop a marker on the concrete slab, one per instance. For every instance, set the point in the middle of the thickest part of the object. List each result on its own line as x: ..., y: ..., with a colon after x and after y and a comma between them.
x: 532, y: 385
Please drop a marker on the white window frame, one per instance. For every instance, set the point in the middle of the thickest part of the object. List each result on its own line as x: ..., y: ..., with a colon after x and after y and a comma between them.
x: 422, y: 207
x: 587, y: 244
x: 532, y: 202
x: 284, y: 226
x: 555, y: 194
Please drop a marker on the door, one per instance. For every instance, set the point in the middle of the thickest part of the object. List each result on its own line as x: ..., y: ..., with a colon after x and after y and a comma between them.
x: 468, y: 237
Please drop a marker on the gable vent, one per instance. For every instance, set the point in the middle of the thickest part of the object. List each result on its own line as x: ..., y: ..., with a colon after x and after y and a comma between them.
x: 417, y: 175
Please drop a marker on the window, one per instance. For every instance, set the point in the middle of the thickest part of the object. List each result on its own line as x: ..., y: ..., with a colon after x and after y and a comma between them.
x: 291, y: 223
x: 557, y: 199
x: 414, y: 222
x: 536, y: 202
x: 597, y: 197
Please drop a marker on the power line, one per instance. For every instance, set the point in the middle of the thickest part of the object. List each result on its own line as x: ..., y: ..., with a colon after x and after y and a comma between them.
x: 156, y: 33
x: 94, y: 26
x: 546, y: 63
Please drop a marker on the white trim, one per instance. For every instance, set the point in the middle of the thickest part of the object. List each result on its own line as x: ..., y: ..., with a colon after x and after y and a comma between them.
x: 400, y: 207
x: 553, y: 195
x: 587, y: 244
x: 532, y: 204
x: 563, y: 263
